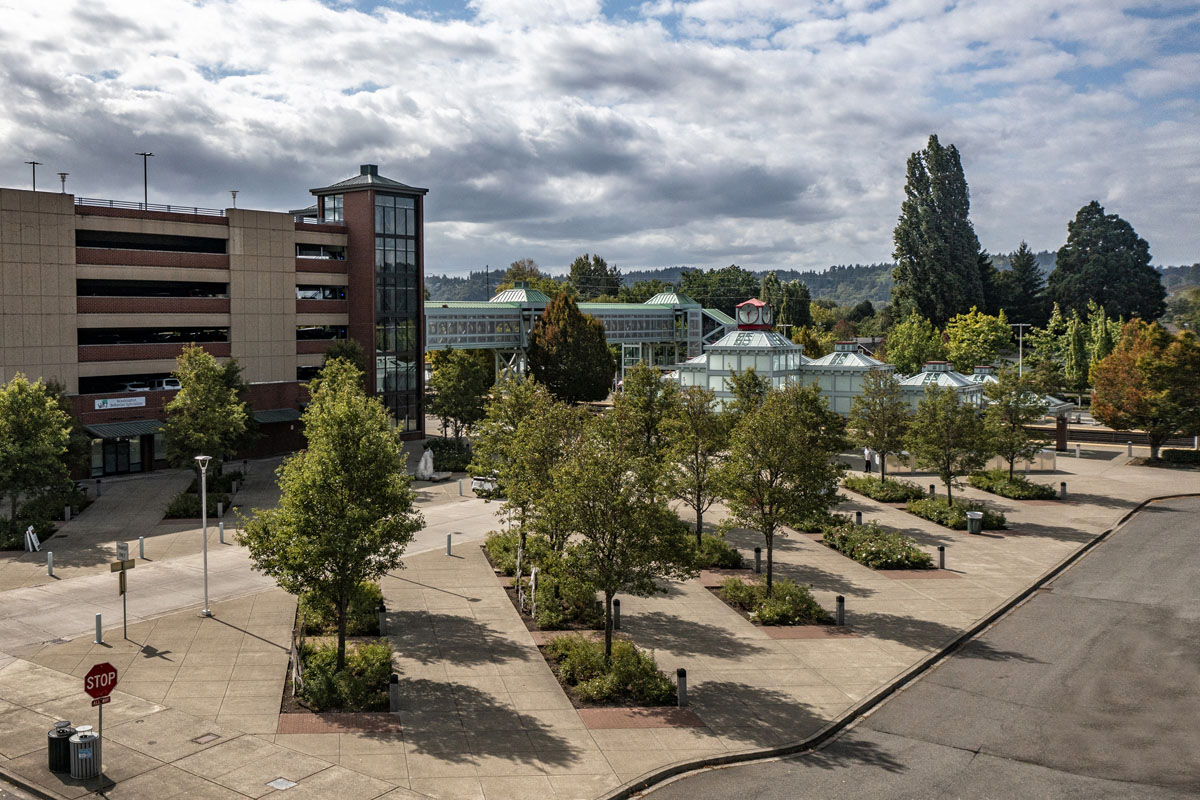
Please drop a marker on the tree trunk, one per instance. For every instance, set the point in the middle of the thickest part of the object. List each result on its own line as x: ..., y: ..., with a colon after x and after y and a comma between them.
x: 770, y: 562
x: 699, y: 525
x: 343, y: 602
x: 1156, y: 443
x: 1011, y: 463
x: 882, y: 467
x: 949, y: 494
x: 608, y: 627
x: 12, y: 517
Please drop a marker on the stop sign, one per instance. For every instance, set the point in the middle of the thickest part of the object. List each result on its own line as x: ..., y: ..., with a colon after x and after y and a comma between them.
x: 100, y: 680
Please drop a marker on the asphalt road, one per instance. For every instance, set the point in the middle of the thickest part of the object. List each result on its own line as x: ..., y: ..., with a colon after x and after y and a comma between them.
x: 1089, y: 690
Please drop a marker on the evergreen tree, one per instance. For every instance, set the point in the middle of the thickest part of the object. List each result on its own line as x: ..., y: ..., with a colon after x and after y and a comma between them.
x: 592, y: 277
x: 913, y: 342
x: 1025, y: 288
x: 880, y: 416
x: 937, y: 253
x: 1105, y: 260
x: 568, y: 353
x: 722, y: 289
x: 1076, y: 363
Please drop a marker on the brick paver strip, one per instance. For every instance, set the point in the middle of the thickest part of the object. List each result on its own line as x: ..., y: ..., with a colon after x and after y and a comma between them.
x: 712, y: 578
x: 623, y: 718
x: 808, y: 632
x: 366, y: 722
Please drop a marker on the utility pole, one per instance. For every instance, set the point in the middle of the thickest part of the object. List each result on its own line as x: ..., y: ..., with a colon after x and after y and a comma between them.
x: 1020, y: 326
x: 487, y: 282
x: 33, y: 165
x: 145, y: 186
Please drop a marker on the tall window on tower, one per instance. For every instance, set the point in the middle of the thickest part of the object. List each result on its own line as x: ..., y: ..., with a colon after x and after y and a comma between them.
x: 396, y: 309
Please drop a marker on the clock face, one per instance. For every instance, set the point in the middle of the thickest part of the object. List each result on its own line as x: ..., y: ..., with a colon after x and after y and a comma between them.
x: 766, y: 315
x: 747, y: 314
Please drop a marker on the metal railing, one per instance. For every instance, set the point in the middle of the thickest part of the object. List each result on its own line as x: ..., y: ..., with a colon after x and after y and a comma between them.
x: 194, y: 210
x: 318, y: 221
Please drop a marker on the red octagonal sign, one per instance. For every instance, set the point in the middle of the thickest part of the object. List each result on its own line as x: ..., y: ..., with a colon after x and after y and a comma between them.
x: 100, y: 680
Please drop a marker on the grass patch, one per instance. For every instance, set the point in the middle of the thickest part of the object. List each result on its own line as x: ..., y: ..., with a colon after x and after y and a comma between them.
x: 789, y: 603
x: 361, y: 686
x: 632, y: 677
x: 937, y: 509
x: 1018, y: 487
x: 888, y: 490
x: 873, y: 546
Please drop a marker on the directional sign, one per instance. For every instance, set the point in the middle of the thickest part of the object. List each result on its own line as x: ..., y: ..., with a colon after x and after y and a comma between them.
x: 99, y: 701
x: 100, y: 680
x: 122, y: 551
x: 121, y: 566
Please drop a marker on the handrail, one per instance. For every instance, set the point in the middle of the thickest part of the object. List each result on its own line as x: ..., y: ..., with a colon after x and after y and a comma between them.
x: 194, y: 210
x: 318, y: 221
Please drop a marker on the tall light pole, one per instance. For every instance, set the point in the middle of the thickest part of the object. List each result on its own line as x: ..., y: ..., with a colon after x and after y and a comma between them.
x: 33, y: 165
x: 202, y: 462
x: 1020, y: 326
x: 62, y: 176
x: 145, y: 185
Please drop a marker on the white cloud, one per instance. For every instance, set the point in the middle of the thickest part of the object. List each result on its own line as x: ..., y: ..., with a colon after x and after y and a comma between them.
x: 763, y: 132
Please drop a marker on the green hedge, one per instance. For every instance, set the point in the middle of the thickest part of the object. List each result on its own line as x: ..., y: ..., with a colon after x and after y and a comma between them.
x: 716, y: 553
x: 362, y: 618
x: 877, y: 548
x: 501, y: 548
x: 888, y: 490
x: 361, y: 686
x: 936, y: 509
x: 818, y: 523
x: 1180, y: 456
x: 564, y: 601
x: 789, y: 603
x: 632, y: 675
x: 449, y: 455
x: 1019, y: 487
x: 187, y: 506
x: 217, y: 483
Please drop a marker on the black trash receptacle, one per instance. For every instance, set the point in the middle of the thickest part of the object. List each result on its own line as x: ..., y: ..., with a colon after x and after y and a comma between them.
x: 59, y: 751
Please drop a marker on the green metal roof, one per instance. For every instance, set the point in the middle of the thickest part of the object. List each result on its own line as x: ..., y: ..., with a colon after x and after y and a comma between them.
x: 720, y: 316
x: 368, y: 178
x: 524, y: 295
x: 434, y: 305
x: 124, y: 430
x: 672, y: 299
x: 588, y: 308
x: 276, y: 415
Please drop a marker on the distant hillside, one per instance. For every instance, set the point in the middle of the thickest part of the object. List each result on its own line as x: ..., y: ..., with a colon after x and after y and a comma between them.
x: 1176, y: 279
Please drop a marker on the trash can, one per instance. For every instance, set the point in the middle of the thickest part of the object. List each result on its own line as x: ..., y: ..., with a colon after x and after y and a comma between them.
x: 59, y: 750
x: 85, y: 753
x: 974, y: 522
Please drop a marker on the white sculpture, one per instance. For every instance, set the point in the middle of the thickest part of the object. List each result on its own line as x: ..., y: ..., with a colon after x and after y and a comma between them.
x: 425, y: 467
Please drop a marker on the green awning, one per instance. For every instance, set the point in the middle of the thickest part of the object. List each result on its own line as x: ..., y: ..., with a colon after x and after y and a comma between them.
x: 276, y: 415
x: 125, y: 430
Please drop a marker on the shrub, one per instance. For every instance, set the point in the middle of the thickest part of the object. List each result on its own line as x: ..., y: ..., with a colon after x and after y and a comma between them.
x: 361, y: 686
x: 789, y: 603
x: 564, y: 601
x: 631, y: 675
x: 501, y: 548
x: 217, y: 483
x: 449, y: 455
x: 187, y: 505
x: 43, y: 528
x: 874, y: 547
x: 936, y: 509
x: 1180, y: 456
x: 817, y: 523
x: 716, y: 553
x: 319, y: 616
x: 1019, y: 487
x: 888, y: 490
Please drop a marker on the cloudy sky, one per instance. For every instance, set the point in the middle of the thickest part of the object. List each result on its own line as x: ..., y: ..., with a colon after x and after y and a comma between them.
x: 768, y: 133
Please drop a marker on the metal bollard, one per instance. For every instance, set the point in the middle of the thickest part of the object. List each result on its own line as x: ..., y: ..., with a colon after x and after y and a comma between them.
x: 1129, y: 448
x: 381, y: 611
x: 858, y: 518
x: 941, y: 556
x: 141, y: 547
x: 97, y: 487
x: 758, y: 561
x: 221, y: 531
x: 67, y: 513
x: 1077, y: 449
x: 234, y: 487
x: 681, y: 687
x: 448, y: 552
x: 1062, y: 491
x: 50, y: 563
x: 460, y: 494
x: 932, y: 489
x: 99, y: 635
x: 841, y: 610
x: 616, y: 615
x: 394, y: 691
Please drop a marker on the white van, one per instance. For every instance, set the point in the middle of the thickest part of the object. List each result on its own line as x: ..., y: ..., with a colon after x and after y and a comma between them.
x: 167, y: 385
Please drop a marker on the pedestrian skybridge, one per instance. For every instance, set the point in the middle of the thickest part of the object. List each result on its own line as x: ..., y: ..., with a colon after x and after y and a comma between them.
x: 668, y: 328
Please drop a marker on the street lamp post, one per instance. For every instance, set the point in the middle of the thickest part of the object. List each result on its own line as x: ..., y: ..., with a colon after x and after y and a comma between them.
x: 1020, y: 326
x: 33, y: 165
x: 202, y: 462
x: 146, y: 198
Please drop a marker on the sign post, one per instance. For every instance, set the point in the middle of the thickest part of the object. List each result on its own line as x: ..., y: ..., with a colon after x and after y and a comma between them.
x: 126, y: 563
x: 99, y: 683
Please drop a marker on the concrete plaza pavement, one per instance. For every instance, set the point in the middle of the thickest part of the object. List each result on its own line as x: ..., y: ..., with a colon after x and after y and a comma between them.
x: 1094, y: 697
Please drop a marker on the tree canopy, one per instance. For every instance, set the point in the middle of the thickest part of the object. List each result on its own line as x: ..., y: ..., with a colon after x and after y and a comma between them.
x: 568, y: 353
x: 722, y: 289
x: 1024, y: 288
x: 975, y: 339
x: 205, y: 417
x: 696, y: 434
x: 790, y: 300
x: 947, y: 436
x: 1105, y: 260
x: 913, y: 342
x: 880, y: 416
x: 348, y: 349
x: 1150, y: 382
x: 592, y: 277
x: 1012, y: 405
x: 34, y: 435
x: 345, y: 512
x: 937, y: 253
x: 648, y: 401
x: 459, y: 386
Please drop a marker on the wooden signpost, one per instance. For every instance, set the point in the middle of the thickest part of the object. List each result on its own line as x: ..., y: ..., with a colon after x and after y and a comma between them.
x: 121, y: 567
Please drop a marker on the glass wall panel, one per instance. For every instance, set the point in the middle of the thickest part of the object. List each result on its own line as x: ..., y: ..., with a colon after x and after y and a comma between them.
x: 397, y: 311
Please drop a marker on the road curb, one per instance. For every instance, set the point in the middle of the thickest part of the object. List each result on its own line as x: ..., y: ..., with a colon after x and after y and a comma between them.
x: 868, y: 704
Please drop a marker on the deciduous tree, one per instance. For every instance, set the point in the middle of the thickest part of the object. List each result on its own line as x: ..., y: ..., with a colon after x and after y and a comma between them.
x: 947, y: 436
x: 205, y: 417
x: 697, y: 434
x: 459, y: 384
x: 345, y: 512
x: 913, y: 342
x: 568, y: 353
x: 975, y: 338
x: 749, y: 390
x: 781, y: 466
x: 1012, y: 404
x: 592, y: 277
x: 1150, y: 382
x: 880, y: 416
x: 34, y: 435
x: 648, y: 401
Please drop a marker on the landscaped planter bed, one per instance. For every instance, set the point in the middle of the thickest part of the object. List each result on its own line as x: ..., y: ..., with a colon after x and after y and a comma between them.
x: 632, y: 680
x: 1018, y: 487
x: 790, y: 605
x: 876, y: 548
x: 935, y: 509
